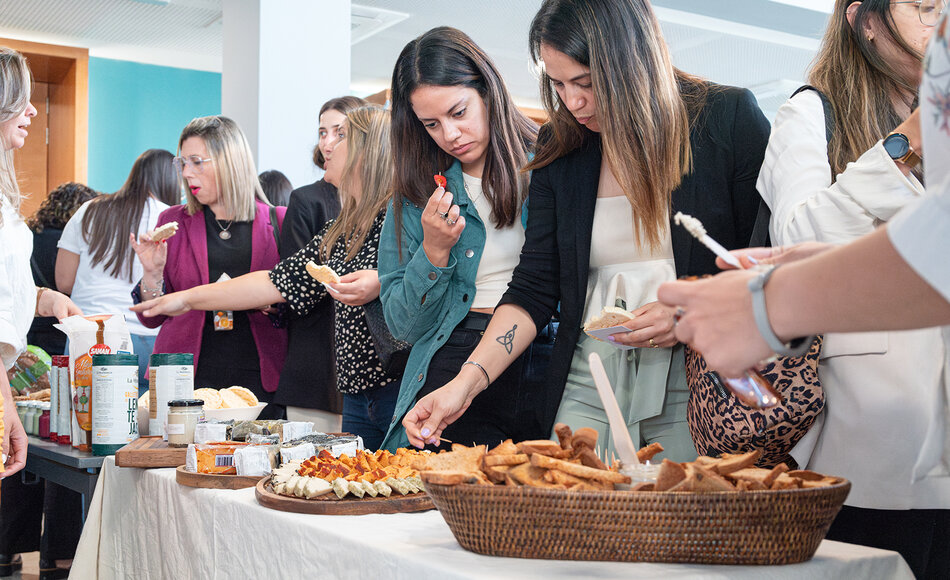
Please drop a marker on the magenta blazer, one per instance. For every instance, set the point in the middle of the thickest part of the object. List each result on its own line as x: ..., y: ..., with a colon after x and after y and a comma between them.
x: 187, y: 266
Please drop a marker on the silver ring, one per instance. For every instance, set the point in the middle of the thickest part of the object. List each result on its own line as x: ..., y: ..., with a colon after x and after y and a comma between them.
x: 444, y: 215
x: 451, y: 222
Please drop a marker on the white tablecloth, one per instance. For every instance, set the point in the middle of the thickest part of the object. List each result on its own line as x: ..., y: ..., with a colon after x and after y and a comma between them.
x: 142, y: 524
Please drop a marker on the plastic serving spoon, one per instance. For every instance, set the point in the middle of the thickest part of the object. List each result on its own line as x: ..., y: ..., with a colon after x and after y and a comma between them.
x: 618, y: 427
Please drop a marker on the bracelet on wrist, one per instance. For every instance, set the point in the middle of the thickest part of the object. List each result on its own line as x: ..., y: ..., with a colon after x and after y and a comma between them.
x: 793, y: 348
x: 155, y: 292
x: 481, y: 368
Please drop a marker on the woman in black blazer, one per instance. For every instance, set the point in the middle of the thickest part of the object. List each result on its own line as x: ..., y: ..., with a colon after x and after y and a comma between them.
x: 631, y: 141
x: 308, y: 382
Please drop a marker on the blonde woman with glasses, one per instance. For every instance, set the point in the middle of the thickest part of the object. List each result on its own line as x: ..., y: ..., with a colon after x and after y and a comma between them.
x: 842, y: 160
x: 226, y: 229
x: 362, y: 166
x: 20, y: 299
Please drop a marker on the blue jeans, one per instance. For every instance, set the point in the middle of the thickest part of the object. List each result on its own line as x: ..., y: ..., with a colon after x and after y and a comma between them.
x: 368, y: 414
x: 143, y: 346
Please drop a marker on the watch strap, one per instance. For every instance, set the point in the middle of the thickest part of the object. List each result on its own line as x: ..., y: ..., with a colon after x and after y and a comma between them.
x: 795, y: 348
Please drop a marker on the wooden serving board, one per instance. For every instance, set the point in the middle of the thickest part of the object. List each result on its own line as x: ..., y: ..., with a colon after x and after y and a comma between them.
x: 150, y: 452
x: 348, y: 506
x: 212, y: 481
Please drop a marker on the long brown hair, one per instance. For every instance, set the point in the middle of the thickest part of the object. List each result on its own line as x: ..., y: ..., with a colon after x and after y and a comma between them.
x: 859, y: 82
x: 449, y: 58
x: 644, y: 105
x: 368, y: 158
x: 15, y: 88
x: 110, y: 218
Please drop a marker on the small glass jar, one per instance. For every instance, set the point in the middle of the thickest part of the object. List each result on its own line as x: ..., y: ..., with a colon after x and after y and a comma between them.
x: 28, y: 415
x: 43, y: 421
x: 183, y: 416
x: 645, y: 472
x: 37, y: 413
x: 21, y: 412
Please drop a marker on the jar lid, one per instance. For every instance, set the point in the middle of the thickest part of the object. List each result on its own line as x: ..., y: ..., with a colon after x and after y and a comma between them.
x: 186, y: 403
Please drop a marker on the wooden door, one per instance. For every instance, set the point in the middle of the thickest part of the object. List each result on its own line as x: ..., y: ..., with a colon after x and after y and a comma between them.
x: 32, y: 160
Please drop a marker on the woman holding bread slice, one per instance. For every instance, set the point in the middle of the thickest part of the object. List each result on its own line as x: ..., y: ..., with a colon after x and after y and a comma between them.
x: 446, y: 256
x: 362, y: 166
x: 95, y: 264
x: 630, y: 141
x: 226, y: 229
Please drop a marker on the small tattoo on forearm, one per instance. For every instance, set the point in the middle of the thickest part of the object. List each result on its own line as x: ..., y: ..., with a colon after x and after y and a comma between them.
x: 507, y: 340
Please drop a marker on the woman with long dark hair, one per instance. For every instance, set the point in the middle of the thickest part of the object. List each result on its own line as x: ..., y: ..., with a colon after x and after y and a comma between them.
x: 843, y: 160
x: 96, y: 265
x: 631, y: 140
x: 448, y: 252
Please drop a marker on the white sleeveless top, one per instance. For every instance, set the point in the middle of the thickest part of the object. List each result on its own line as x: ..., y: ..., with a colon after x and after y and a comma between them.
x: 501, y: 252
x: 621, y: 273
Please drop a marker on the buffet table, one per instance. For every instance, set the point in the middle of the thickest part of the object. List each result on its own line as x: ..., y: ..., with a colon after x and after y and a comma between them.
x: 143, y: 524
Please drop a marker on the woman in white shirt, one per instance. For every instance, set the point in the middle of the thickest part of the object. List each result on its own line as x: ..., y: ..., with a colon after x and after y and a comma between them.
x: 20, y: 299
x: 96, y: 264
x: 834, y: 189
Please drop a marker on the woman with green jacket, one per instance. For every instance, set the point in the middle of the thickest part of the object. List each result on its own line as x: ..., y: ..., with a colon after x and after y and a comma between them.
x: 446, y: 257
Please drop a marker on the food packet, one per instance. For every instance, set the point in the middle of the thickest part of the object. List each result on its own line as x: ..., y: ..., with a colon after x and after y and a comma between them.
x: 212, y: 431
x: 241, y: 429
x: 29, y: 374
x: 216, y: 458
x: 89, y: 335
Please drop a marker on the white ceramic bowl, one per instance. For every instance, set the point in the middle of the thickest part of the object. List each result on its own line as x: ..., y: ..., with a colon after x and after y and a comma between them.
x: 240, y: 414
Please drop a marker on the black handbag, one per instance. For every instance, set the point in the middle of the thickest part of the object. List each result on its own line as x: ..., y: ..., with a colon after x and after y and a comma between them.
x: 393, y: 353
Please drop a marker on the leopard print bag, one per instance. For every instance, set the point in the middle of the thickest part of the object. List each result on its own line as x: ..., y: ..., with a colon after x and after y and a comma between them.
x: 720, y: 423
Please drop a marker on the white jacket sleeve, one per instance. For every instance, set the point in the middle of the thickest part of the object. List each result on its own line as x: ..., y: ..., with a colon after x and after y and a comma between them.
x: 795, y: 181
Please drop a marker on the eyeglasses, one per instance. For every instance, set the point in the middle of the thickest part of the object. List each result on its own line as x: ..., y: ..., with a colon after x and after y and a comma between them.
x: 195, y: 162
x: 929, y: 11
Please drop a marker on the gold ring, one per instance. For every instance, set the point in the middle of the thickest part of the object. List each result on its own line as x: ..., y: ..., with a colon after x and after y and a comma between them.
x: 653, y: 344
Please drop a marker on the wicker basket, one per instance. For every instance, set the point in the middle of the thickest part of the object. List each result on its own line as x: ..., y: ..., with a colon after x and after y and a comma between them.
x: 758, y: 527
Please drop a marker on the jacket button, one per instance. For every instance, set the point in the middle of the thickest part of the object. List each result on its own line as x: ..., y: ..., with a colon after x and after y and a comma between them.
x: 395, y: 418
x: 433, y: 275
x: 420, y: 377
x: 469, y: 253
x: 465, y: 298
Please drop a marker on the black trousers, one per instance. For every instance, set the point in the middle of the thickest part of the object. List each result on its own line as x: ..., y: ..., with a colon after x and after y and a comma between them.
x: 22, y: 507
x: 922, y: 537
x: 511, y: 407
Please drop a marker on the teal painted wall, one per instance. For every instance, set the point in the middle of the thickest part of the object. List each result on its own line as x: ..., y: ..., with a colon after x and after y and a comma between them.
x: 134, y: 107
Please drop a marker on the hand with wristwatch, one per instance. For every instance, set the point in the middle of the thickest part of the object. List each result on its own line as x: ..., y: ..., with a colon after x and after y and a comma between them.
x: 899, y: 145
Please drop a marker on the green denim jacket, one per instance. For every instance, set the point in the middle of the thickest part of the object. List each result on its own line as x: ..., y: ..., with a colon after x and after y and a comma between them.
x: 423, y: 304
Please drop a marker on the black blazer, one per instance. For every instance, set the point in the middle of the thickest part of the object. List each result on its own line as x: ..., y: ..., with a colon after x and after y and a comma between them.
x: 308, y: 378
x: 728, y: 143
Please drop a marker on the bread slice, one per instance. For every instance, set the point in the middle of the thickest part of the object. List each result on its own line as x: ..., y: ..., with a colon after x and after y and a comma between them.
x: 210, y: 396
x: 323, y: 274
x: 609, y: 316
x: 245, y: 394
x: 163, y: 232
x: 230, y: 400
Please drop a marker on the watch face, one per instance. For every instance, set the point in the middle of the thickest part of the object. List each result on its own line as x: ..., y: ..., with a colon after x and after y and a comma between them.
x: 896, y: 145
